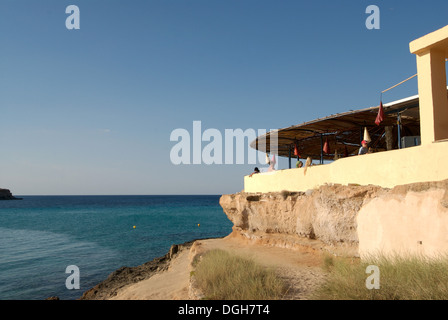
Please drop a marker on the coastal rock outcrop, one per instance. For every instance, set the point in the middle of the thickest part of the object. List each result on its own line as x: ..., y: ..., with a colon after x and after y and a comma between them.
x: 5, y: 194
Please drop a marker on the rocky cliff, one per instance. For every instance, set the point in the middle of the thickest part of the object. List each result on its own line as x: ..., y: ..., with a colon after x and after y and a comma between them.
x: 327, y: 214
x: 330, y: 216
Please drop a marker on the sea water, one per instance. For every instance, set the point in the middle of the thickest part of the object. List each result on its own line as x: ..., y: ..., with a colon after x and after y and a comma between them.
x: 40, y: 236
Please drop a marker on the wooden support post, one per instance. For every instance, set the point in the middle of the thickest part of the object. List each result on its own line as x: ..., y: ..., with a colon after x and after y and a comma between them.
x: 399, y: 130
x: 289, y: 157
x: 321, y: 149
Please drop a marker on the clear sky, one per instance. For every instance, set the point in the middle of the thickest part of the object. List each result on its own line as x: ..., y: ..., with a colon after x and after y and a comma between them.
x: 90, y: 111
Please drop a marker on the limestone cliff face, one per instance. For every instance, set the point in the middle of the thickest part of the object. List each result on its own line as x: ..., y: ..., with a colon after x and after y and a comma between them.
x: 327, y: 214
x: 340, y: 216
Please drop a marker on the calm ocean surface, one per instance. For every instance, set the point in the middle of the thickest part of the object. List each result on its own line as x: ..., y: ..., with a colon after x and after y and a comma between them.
x: 41, y: 235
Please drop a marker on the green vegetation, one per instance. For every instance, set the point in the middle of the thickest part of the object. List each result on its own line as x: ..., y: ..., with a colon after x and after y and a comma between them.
x: 224, y: 276
x: 400, y: 278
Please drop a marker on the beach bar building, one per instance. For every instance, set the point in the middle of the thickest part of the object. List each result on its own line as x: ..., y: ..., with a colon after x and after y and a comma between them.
x: 409, y: 141
x: 408, y: 138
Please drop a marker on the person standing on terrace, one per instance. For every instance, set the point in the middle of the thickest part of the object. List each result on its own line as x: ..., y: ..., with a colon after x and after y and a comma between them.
x: 364, y: 148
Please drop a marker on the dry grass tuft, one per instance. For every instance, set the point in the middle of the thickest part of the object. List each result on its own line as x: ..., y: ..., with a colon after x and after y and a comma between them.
x: 400, y: 278
x: 224, y: 276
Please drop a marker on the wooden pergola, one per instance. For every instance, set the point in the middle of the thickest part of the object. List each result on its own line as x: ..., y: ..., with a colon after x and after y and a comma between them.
x: 344, y: 132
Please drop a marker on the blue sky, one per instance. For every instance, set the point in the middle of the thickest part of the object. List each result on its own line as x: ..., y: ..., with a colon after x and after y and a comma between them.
x: 90, y: 111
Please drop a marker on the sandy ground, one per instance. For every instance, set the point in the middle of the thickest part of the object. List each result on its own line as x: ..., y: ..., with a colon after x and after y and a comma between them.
x: 300, y: 268
x: 171, y: 284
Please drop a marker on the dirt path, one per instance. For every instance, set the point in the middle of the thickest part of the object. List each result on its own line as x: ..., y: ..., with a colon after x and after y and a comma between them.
x: 171, y: 284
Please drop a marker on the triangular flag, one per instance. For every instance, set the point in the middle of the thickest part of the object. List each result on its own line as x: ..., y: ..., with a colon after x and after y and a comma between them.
x: 380, y: 116
x: 326, y: 147
x: 273, y: 162
x: 267, y: 159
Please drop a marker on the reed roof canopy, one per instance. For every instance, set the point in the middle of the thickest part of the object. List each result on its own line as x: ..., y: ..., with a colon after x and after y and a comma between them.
x: 344, y: 132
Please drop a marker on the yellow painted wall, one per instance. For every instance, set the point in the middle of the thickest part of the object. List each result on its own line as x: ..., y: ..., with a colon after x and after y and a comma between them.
x: 411, y: 224
x: 386, y: 169
x: 431, y: 51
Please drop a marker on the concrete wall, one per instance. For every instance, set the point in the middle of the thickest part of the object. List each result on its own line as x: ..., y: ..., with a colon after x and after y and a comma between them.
x: 386, y: 169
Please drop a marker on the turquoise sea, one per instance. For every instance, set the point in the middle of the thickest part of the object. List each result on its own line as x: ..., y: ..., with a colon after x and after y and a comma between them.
x: 41, y: 235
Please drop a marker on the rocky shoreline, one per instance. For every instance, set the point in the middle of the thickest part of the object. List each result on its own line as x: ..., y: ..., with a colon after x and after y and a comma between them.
x: 125, y: 276
x: 5, y: 194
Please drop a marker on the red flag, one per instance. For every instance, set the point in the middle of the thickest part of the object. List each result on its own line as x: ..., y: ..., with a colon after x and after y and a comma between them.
x: 326, y: 148
x: 380, y: 116
x: 296, y: 150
